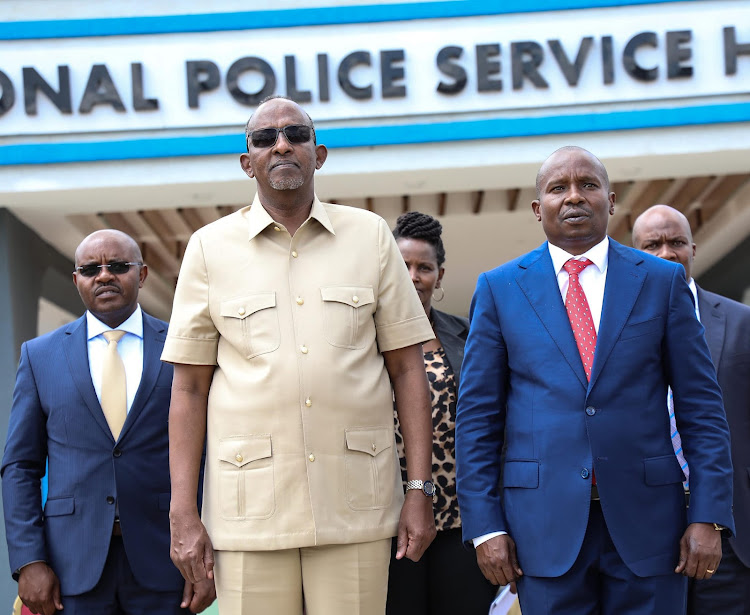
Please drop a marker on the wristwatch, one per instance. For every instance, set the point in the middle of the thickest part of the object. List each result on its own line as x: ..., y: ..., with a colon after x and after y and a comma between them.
x: 425, y: 486
x: 719, y: 528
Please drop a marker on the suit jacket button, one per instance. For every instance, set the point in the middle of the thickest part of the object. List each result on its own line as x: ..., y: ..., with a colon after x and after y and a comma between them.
x: 591, y: 411
x: 117, y: 453
x: 584, y: 473
x: 110, y: 499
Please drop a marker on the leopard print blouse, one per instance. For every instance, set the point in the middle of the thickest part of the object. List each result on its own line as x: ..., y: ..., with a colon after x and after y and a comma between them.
x: 443, y: 393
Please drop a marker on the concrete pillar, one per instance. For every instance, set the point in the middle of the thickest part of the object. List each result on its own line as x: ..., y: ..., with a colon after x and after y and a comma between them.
x: 29, y: 269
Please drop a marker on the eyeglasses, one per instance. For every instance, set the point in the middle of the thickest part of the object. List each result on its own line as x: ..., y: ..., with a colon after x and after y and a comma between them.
x: 116, y: 268
x: 267, y: 137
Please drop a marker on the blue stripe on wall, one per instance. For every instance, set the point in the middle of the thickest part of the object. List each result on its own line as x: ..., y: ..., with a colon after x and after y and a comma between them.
x: 318, y: 16
x: 366, y: 136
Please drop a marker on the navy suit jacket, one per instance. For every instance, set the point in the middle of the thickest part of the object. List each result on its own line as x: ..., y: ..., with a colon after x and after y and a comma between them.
x: 727, y: 326
x: 56, y: 415
x: 523, y: 389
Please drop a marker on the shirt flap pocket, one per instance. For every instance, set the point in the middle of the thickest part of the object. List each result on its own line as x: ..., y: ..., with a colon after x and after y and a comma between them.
x: 243, y: 307
x: 57, y: 507
x: 370, y: 440
x: 524, y: 474
x: 241, y: 450
x: 663, y: 470
x: 354, y: 296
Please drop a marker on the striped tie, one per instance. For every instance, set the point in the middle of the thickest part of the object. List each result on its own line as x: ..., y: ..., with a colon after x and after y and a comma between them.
x: 676, y: 440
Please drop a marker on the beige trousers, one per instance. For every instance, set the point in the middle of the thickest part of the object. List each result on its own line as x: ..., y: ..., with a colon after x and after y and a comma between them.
x: 332, y: 580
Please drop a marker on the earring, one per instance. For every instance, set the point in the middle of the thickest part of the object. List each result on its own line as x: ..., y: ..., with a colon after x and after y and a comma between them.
x: 442, y: 295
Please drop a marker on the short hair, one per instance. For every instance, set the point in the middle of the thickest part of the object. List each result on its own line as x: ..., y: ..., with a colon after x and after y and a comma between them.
x: 599, y: 163
x: 416, y: 225
x: 265, y: 100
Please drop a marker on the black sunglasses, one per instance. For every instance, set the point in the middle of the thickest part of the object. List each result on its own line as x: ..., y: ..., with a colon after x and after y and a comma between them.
x: 266, y: 137
x: 116, y: 268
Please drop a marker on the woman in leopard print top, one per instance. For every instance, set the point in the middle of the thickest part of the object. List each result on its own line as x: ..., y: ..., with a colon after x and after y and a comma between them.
x: 446, y: 580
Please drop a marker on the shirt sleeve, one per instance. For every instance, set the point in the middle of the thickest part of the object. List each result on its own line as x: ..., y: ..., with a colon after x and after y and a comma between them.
x: 400, y: 320
x: 192, y: 338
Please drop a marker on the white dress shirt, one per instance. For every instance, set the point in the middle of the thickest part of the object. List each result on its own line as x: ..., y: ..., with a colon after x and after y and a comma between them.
x: 130, y: 348
x: 694, y: 290
x: 592, y: 280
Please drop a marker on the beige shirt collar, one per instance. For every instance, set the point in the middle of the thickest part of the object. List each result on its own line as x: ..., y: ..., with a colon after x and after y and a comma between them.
x: 258, y: 219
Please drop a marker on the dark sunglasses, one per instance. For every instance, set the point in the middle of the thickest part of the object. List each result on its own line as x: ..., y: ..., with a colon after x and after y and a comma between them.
x: 116, y: 268
x: 266, y: 137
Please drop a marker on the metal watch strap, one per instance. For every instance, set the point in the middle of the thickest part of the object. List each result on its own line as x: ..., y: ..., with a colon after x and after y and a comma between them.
x: 414, y: 484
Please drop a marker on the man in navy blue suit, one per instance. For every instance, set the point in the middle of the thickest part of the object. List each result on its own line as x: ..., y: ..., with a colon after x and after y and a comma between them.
x: 101, y: 544
x: 665, y: 232
x: 571, y: 351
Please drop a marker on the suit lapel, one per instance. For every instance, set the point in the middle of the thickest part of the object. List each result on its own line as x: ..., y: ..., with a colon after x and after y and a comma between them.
x: 624, y: 282
x: 153, y: 343
x: 714, y: 321
x: 538, y: 281
x: 76, y: 352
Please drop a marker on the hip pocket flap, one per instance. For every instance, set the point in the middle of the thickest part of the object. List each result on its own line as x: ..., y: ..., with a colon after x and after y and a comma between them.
x: 241, y: 450
x: 662, y: 470
x: 524, y: 474
x: 353, y: 296
x: 57, y: 507
x: 370, y: 440
x: 242, y: 307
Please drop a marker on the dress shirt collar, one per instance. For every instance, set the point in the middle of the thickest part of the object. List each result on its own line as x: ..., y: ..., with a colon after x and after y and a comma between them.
x: 599, y: 255
x: 134, y: 325
x: 258, y: 219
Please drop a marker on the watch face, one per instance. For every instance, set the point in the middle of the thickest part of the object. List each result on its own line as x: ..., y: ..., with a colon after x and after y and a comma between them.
x: 429, y: 488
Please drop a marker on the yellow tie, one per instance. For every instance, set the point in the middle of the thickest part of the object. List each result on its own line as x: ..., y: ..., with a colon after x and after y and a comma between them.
x: 114, y: 389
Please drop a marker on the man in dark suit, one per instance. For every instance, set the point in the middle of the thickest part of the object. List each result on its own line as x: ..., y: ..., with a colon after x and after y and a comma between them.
x: 665, y: 232
x: 96, y: 410
x: 570, y: 354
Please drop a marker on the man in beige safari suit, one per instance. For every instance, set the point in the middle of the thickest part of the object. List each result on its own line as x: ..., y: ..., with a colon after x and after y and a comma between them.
x: 294, y: 324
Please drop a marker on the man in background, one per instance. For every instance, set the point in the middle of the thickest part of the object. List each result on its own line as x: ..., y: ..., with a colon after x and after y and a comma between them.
x: 93, y: 398
x: 665, y: 232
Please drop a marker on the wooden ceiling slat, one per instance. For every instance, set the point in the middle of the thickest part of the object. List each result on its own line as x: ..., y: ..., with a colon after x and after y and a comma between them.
x: 88, y: 223
x: 512, y: 195
x: 621, y: 190
x: 191, y: 218
x: 620, y: 227
x: 625, y: 202
x: 442, y: 203
x: 650, y: 196
x: 689, y: 192
x: 722, y: 192
x: 477, y: 198
x: 159, y: 225
x: 119, y: 221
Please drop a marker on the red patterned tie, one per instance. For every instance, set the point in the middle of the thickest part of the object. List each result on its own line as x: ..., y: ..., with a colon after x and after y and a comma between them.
x: 579, y: 314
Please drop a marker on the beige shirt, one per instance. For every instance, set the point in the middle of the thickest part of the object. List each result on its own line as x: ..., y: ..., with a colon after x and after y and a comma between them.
x: 300, y: 446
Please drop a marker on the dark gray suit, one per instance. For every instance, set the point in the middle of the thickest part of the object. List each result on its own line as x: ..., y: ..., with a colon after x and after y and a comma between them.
x: 727, y: 326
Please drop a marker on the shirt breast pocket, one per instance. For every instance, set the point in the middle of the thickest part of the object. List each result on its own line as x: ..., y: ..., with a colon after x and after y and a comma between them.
x: 347, y: 315
x: 252, y: 323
